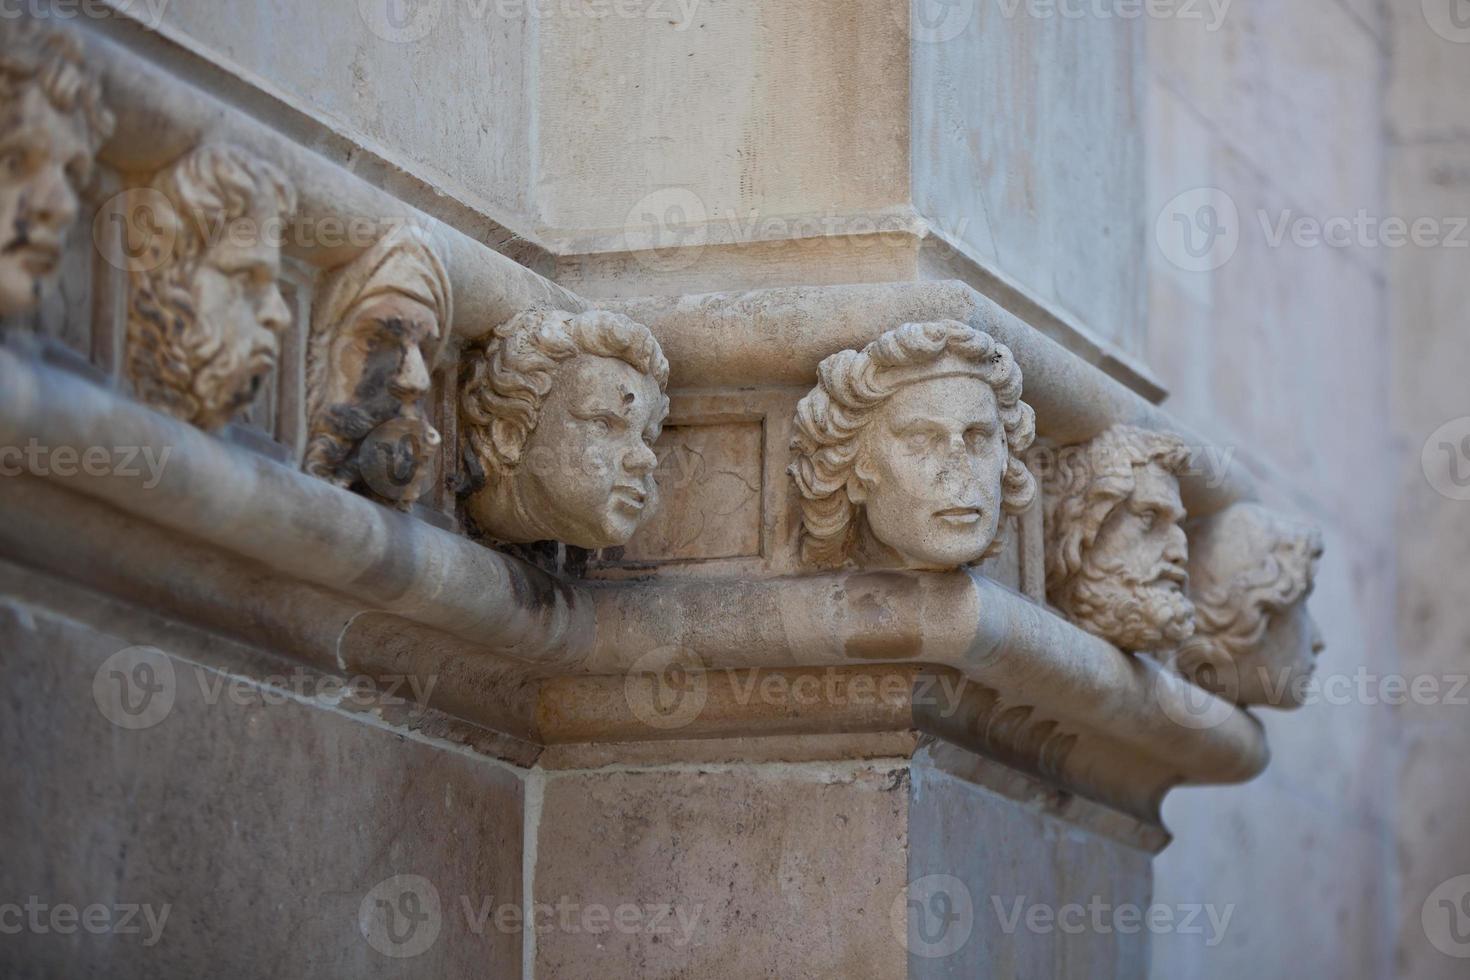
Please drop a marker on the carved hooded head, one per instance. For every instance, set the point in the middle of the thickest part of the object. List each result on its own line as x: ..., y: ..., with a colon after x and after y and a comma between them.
x: 909, y: 451
x: 1115, y: 548
x: 560, y: 413
x: 206, y: 313
x: 51, y: 126
x: 377, y: 334
x: 1251, y: 572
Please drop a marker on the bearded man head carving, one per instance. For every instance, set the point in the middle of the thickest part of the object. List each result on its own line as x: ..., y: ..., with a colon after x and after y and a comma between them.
x: 908, y: 451
x: 50, y: 129
x: 561, y: 412
x: 206, y: 314
x: 1251, y: 573
x: 1115, y: 546
x: 376, y: 336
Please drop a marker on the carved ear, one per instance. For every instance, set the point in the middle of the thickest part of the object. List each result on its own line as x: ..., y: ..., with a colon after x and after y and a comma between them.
x: 860, y: 481
x: 507, y: 441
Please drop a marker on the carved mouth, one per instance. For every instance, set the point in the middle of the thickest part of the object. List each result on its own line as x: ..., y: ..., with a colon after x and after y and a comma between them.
x: 1172, y: 577
x: 36, y: 258
x: 959, y: 516
x: 630, y: 497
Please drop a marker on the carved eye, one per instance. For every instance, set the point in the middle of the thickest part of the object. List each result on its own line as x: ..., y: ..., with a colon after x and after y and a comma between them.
x: 600, y: 425
x: 976, y: 436
x: 13, y: 162
x: 1149, y: 517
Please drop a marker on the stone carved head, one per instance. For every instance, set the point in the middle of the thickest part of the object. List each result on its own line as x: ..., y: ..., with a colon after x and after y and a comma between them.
x: 377, y: 333
x: 561, y: 412
x: 909, y: 451
x: 1115, y: 547
x: 1251, y: 572
x: 205, y: 316
x: 50, y: 129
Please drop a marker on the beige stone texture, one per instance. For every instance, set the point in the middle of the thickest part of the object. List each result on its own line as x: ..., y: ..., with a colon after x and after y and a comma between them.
x: 745, y: 856
x: 262, y: 818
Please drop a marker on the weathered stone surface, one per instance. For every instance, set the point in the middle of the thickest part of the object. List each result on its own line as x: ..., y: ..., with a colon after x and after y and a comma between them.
x: 263, y: 820
x: 748, y: 857
x: 981, y: 850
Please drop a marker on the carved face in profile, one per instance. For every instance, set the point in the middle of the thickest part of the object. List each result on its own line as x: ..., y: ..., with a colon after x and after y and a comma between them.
x: 50, y: 128
x: 907, y: 451
x: 204, y: 324
x: 375, y: 341
x: 562, y: 413
x: 1252, y: 572
x: 1116, y: 552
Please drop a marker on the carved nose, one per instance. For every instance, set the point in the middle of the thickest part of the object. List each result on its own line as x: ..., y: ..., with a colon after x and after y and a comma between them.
x: 1177, y: 550
x: 274, y: 315
x: 640, y: 460
x: 412, y: 380
x: 52, y: 202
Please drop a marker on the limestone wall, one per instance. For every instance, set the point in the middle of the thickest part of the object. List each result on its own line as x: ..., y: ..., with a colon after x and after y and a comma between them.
x: 1280, y: 352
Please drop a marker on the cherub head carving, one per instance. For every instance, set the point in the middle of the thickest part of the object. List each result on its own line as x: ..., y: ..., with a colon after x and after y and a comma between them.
x: 1115, y: 548
x: 561, y: 412
x: 205, y: 316
x: 51, y: 126
x: 376, y: 336
x: 908, y: 451
x: 1251, y: 572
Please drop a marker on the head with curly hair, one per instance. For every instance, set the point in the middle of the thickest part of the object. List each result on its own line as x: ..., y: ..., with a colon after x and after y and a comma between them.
x: 560, y: 412
x: 1252, y: 571
x: 206, y: 313
x: 1115, y: 547
x: 378, y: 329
x: 908, y: 451
x: 52, y: 125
